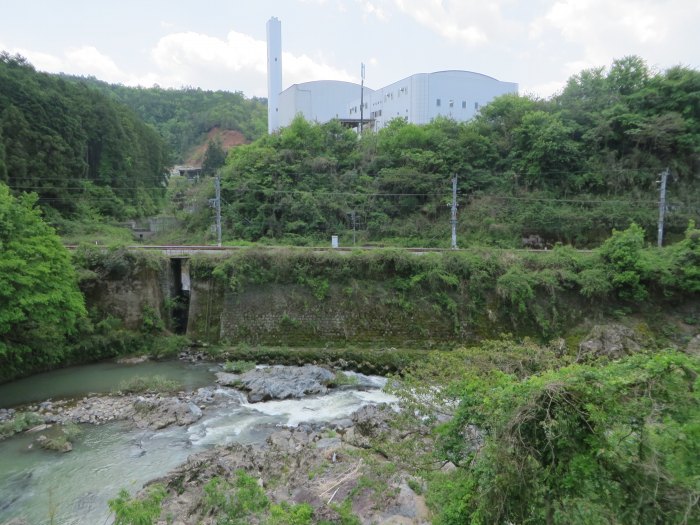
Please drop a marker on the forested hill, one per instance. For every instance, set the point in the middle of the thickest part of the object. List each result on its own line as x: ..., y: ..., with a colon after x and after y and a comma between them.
x: 568, y: 169
x: 82, y: 153
x: 183, y: 117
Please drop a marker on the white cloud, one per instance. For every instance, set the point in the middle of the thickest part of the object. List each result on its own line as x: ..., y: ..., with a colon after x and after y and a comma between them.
x: 372, y: 8
x: 41, y: 61
x: 89, y: 59
x: 474, y: 23
x: 543, y: 90
x: 184, y: 53
x: 238, y: 62
x: 601, y: 30
x: 302, y: 68
x: 86, y: 60
x: 202, y: 60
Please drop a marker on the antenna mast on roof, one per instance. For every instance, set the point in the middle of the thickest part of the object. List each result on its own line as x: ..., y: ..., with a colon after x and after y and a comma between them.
x: 362, y: 96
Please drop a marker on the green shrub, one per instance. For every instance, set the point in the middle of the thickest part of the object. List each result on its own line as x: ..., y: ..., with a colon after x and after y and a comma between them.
x: 585, y: 444
x: 236, y: 499
x: 621, y: 253
x: 153, y: 384
x: 286, y: 514
x: 594, y: 283
x: 342, y: 379
x: 238, y: 367
x: 138, y: 511
x: 19, y: 423
x: 152, y: 322
x: 516, y: 286
x: 165, y: 346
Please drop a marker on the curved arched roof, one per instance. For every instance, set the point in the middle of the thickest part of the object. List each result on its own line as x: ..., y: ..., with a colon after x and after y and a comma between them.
x: 326, y: 83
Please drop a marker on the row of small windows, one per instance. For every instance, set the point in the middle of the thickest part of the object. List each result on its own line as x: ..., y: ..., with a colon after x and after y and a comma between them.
x: 390, y: 94
x: 451, y: 104
x: 354, y: 109
x: 438, y: 103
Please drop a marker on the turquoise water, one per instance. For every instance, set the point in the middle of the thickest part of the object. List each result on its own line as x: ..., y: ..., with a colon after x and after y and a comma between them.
x: 74, y: 488
x: 78, y: 381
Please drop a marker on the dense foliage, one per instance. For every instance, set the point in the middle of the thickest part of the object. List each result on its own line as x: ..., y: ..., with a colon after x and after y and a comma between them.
x: 607, y: 442
x: 80, y: 152
x: 184, y: 116
x: 480, y: 292
x: 40, y: 303
x: 568, y: 169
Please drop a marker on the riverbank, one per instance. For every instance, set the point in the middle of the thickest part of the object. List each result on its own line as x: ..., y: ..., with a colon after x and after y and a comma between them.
x: 327, y: 474
x: 129, y: 439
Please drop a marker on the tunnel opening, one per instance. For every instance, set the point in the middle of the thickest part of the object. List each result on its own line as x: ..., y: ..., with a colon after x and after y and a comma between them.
x: 180, y: 295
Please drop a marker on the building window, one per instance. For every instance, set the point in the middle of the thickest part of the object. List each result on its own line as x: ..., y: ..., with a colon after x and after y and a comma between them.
x: 476, y: 105
x: 437, y: 102
x: 452, y: 103
x: 464, y: 104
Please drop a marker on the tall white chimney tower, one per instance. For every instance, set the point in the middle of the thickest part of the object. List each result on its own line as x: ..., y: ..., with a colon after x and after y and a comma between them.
x: 274, y: 72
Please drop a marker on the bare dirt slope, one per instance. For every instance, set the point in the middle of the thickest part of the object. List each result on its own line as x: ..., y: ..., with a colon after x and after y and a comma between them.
x: 228, y: 137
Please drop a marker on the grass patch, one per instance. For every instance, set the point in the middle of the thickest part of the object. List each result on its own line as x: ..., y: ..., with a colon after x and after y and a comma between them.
x: 137, y: 511
x: 19, y: 423
x: 238, y: 366
x: 60, y: 438
x: 342, y: 379
x: 148, y: 384
x: 165, y: 346
x: 366, y: 360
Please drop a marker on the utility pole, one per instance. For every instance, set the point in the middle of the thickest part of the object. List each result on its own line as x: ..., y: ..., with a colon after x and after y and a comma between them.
x: 453, y: 219
x: 217, y: 182
x: 362, y: 96
x: 662, y: 208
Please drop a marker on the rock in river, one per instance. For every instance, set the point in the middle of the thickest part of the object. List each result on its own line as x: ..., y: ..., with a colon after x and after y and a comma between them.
x: 280, y: 382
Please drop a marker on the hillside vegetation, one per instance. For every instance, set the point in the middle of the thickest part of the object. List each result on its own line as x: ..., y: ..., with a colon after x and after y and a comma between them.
x: 184, y: 117
x: 83, y: 154
x: 568, y: 169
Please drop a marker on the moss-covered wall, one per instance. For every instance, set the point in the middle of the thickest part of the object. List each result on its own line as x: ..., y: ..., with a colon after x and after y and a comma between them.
x: 366, y: 311
x: 304, y: 297
x: 126, y: 285
x: 206, y: 306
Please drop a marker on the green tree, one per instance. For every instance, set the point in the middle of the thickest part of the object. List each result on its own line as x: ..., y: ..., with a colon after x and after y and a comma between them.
x: 3, y: 166
x: 59, y: 136
x: 214, y: 157
x: 621, y: 253
x: 39, y: 298
x: 546, y: 153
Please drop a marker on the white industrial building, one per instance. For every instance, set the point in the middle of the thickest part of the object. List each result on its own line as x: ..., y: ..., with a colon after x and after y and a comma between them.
x: 320, y: 100
x: 418, y: 99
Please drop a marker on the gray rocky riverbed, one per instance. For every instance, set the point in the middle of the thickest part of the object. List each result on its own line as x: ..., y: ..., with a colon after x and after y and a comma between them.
x: 130, y: 439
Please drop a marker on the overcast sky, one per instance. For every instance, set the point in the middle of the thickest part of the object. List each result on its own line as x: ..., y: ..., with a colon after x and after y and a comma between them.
x: 216, y: 44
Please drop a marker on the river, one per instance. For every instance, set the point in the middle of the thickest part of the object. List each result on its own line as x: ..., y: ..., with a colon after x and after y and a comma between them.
x: 74, y: 488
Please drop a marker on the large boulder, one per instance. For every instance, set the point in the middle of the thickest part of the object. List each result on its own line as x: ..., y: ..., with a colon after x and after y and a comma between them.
x: 280, y: 382
x: 611, y: 340
x: 157, y: 413
x: 369, y: 422
x: 693, y: 347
